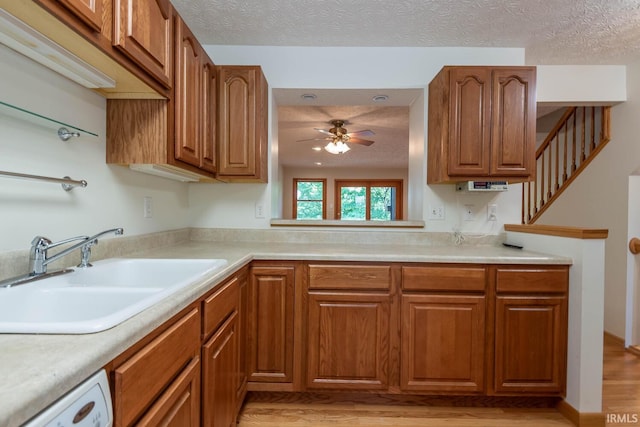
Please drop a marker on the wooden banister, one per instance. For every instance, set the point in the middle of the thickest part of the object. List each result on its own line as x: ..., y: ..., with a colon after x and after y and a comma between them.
x: 562, y: 157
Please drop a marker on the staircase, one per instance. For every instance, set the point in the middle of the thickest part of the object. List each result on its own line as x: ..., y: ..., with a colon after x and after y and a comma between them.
x: 579, y: 135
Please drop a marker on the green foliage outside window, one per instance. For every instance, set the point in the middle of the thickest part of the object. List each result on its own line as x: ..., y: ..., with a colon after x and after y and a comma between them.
x: 381, y: 203
x: 309, y: 199
x: 353, y: 203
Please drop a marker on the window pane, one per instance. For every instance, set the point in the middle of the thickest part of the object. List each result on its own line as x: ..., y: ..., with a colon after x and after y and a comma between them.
x: 309, y: 190
x: 309, y: 210
x: 383, y: 203
x: 353, y: 202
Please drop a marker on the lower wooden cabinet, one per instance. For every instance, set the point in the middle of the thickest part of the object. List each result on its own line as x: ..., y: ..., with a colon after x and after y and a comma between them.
x: 531, y: 344
x: 270, y: 326
x: 443, y: 340
x: 179, y: 406
x: 147, y: 385
x: 188, y: 373
x: 348, y: 340
x: 379, y: 327
x: 220, y: 367
x: 243, y: 307
x: 531, y: 331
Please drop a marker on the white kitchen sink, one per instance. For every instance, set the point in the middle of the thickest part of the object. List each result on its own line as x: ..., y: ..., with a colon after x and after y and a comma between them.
x: 97, y: 298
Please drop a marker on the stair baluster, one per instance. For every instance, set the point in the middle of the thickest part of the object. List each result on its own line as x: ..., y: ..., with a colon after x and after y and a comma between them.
x: 552, y: 179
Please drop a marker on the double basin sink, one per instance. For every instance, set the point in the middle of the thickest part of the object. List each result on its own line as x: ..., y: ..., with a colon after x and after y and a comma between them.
x: 97, y: 298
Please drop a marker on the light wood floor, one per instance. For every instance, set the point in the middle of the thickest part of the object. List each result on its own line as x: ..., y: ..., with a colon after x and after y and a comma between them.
x: 621, y: 383
x: 621, y: 395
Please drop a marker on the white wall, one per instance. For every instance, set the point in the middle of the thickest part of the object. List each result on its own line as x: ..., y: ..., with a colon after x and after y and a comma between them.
x: 114, y: 196
x: 312, y: 67
x: 576, y: 84
x: 598, y: 199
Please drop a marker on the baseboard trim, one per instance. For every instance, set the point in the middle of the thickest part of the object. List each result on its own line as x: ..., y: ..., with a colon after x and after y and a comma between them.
x: 620, y: 341
x: 581, y: 419
x: 614, y: 338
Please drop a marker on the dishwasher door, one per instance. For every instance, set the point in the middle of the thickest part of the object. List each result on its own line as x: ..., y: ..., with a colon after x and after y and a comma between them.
x: 87, y: 405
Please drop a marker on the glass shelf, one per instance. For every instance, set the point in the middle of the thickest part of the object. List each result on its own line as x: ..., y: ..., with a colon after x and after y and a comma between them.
x: 38, y: 119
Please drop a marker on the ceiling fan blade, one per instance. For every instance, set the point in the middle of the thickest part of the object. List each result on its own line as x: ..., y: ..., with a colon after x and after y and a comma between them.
x: 326, y: 132
x: 315, y: 139
x: 361, y: 141
x: 365, y: 132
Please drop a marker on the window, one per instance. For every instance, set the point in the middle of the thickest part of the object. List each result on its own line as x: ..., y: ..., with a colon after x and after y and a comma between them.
x: 376, y: 200
x: 310, y: 198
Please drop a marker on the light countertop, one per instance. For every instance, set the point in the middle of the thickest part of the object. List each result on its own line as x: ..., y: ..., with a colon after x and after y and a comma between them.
x: 35, y: 370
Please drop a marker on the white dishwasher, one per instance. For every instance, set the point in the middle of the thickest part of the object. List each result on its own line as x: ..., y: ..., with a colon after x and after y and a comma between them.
x: 87, y: 405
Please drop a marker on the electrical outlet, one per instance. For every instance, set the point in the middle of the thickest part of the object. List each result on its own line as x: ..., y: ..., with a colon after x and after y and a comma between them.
x: 259, y: 210
x: 492, y: 212
x: 469, y: 212
x: 436, y: 212
x: 147, y: 207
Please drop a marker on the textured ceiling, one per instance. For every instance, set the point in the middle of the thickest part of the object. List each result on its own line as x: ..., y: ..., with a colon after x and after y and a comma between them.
x: 551, y: 31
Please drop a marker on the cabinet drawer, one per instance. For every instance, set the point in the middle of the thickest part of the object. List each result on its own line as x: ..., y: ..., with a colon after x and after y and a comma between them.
x: 179, y: 405
x: 328, y: 276
x: 219, y: 306
x: 528, y: 280
x: 439, y: 278
x: 140, y: 379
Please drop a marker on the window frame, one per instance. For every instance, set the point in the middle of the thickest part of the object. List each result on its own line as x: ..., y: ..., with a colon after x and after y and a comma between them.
x: 294, y: 211
x: 368, y: 183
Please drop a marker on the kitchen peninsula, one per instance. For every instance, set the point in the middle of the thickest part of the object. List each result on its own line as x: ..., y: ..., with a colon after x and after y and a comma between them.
x: 388, y: 272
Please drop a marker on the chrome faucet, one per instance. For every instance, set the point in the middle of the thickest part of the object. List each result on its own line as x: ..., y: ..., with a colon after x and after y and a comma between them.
x: 39, y: 257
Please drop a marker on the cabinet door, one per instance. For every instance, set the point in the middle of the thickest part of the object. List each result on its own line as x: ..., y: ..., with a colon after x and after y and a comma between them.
x: 220, y: 355
x: 209, y: 117
x: 242, y: 123
x: 513, y: 121
x: 243, y: 309
x: 179, y: 405
x: 443, y: 338
x: 143, y: 31
x: 89, y: 11
x: 348, y: 340
x: 270, y: 324
x: 188, y: 146
x: 469, y: 120
x: 530, y: 344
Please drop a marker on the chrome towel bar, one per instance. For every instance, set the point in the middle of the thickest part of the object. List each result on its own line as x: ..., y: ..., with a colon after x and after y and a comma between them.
x: 67, y: 183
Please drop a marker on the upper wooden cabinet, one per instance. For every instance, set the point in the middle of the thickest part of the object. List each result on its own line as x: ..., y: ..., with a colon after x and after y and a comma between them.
x: 242, y: 124
x: 89, y: 11
x: 188, y: 95
x: 143, y: 30
x: 209, y: 159
x: 482, y: 124
x: 178, y: 135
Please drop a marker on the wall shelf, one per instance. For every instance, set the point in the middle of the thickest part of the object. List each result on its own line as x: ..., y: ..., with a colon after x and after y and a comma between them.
x: 40, y: 120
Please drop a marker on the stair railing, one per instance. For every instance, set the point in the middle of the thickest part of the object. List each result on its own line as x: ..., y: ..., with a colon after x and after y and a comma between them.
x: 575, y: 140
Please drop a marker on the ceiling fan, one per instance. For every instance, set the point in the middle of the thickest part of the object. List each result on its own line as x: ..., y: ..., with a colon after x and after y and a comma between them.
x: 338, y: 136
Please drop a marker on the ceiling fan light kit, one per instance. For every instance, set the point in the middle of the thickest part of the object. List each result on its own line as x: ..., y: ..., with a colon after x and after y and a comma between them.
x: 338, y: 136
x: 337, y: 147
